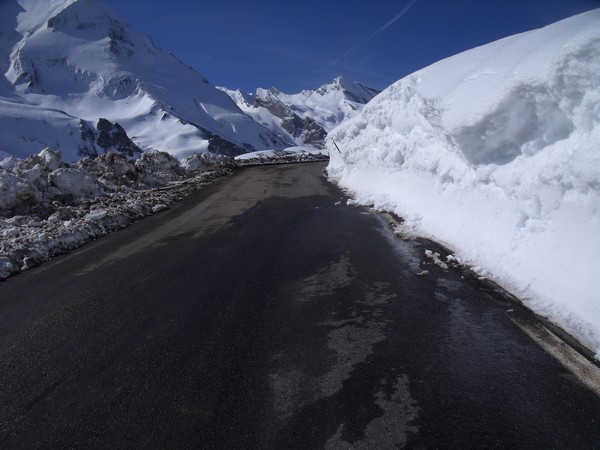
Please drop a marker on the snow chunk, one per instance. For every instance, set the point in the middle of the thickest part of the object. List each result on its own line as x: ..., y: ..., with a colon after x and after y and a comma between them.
x: 435, y: 257
x: 49, y: 160
x: 75, y: 182
x: 6, y: 267
x: 158, y: 168
x: 159, y: 207
x: 16, y: 191
x: 95, y: 216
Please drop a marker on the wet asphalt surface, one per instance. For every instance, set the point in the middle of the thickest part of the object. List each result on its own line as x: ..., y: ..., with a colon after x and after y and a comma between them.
x: 263, y: 312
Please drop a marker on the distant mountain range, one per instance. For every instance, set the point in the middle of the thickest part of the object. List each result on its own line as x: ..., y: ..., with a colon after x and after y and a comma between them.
x: 77, y: 78
x: 308, y: 116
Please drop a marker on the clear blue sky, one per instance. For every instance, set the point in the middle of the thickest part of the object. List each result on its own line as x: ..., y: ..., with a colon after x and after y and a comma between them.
x: 297, y: 45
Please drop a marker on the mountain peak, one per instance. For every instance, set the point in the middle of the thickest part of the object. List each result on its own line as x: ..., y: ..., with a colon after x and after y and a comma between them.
x: 338, y: 81
x: 71, y: 15
x: 352, y: 90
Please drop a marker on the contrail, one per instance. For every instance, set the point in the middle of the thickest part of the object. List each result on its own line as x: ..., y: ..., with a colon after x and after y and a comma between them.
x: 377, y: 31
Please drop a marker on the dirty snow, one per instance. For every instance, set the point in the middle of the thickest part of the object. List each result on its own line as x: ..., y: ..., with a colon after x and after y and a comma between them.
x: 48, y: 207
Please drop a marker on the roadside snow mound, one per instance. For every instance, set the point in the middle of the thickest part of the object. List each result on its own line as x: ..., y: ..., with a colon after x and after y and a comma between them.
x: 48, y: 207
x: 496, y: 152
x: 288, y: 155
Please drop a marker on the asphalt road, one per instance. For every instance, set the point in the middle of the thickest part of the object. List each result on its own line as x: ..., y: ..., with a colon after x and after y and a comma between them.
x: 263, y: 313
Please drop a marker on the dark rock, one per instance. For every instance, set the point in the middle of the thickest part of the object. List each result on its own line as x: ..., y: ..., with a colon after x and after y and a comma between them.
x: 106, y: 137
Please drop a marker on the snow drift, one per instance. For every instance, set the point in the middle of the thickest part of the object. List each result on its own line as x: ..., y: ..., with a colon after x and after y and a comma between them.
x: 496, y: 153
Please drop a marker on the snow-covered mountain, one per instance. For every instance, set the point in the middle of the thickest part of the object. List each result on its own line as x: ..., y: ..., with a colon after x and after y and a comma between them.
x: 308, y: 116
x: 496, y: 152
x: 66, y: 64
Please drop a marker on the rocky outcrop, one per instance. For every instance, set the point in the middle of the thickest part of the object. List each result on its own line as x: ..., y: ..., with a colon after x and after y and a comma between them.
x: 107, y: 136
x: 306, y: 129
x: 309, y: 131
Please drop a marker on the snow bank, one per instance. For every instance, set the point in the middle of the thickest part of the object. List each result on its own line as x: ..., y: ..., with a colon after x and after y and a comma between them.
x: 496, y: 153
x: 288, y: 155
x: 48, y: 207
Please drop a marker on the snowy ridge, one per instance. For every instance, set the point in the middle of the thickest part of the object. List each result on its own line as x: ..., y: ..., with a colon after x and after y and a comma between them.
x: 330, y: 104
x: 496, y: 153
x: 308, y: 116
x: 68, y: 61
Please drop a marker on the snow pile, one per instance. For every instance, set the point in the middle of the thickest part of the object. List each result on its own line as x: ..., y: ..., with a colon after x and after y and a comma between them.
x: 40, y: 179
x: 496, y: 153
x: 288, y: 155
x: 48, y: 207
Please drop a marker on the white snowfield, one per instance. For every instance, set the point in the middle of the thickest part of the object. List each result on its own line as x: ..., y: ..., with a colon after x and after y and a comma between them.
x: 67, y: 63
x: 496, y: 153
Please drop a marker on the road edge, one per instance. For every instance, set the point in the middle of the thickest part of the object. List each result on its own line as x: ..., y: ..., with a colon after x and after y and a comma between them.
x: 566, y: 349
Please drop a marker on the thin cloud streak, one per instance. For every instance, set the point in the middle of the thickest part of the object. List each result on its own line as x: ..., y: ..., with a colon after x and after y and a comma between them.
x: 372, y: 35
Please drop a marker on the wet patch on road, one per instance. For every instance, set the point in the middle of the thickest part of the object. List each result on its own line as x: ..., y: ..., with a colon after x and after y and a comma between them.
x: 391, y: 428
x: 355, y: 325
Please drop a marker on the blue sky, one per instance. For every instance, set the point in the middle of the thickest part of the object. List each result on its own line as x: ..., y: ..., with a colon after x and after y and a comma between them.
x: 297, y: 45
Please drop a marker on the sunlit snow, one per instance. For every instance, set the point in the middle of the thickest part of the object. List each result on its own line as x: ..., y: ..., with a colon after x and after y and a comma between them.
x: 66, y: 62
x: 496, y: 153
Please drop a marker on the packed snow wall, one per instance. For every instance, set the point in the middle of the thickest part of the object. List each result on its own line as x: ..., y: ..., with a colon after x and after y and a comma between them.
x: 496, y: 153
